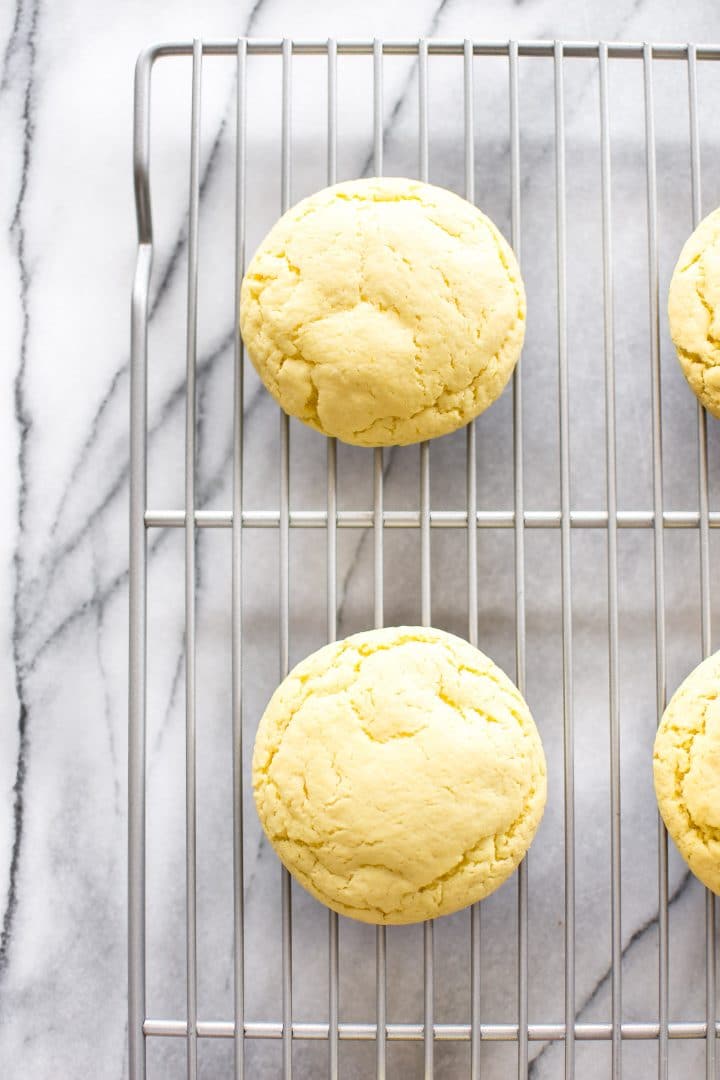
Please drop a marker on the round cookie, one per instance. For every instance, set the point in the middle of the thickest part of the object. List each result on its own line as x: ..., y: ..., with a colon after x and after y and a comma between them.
x: 383, y: 312
x: 686, y: 765
x: 399, y: 775
x: 694, y: 311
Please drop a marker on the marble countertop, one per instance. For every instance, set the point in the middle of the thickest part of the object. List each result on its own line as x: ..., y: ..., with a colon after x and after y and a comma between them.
x: 66, y: 265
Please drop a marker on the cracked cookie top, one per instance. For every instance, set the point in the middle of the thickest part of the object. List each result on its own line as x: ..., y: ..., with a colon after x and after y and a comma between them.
x: 686, y: 765
x: 399, y: 775
x: 383, y: 312
x: 694, y: 311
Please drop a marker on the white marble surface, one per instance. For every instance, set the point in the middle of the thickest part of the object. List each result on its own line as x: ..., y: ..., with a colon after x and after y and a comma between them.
x: 66, y: 263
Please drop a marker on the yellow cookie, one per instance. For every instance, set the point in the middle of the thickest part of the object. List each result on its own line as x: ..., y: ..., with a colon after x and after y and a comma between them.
x: 694, y: 311
x: 399, y: 775
x: 383, y: 312
x: 686, y: 764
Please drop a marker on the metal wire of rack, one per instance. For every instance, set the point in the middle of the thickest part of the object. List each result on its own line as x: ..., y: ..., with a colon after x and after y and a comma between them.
x: 329, y: 519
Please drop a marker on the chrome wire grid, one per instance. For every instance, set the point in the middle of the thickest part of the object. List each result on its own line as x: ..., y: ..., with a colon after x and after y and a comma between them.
x: 379, y: 1028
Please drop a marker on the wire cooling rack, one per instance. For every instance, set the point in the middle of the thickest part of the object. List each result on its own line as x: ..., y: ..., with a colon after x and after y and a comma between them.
x: 476, y: 1031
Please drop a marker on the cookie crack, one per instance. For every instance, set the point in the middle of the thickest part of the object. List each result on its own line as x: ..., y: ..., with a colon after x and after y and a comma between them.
x: 706, y: 834
x: 496, y: 864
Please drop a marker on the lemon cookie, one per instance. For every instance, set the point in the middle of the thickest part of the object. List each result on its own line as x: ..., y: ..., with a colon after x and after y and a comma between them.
x: 694, y: 311
x: 384, y: 311
x: 399, y: 775
x: 686, y: 764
